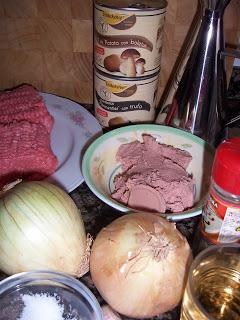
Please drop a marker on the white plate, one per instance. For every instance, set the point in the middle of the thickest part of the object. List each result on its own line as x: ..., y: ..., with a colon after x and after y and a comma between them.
x: 74, y: 129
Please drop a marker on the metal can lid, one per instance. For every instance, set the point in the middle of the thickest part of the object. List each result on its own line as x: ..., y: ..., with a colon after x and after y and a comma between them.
x: 226, y: 166
x: 133, y: 4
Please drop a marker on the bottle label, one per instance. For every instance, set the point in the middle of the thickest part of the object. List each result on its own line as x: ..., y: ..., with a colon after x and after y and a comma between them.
x: 230, y: 230
x: 221, y: 221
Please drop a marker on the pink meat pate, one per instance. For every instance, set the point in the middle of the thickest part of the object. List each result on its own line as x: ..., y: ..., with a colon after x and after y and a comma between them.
x: 154, y: 177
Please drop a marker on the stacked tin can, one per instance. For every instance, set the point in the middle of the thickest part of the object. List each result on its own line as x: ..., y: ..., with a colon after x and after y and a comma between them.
x: 127, y: 58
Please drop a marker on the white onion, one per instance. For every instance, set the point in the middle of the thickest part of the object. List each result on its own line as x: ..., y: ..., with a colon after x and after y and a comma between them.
x: 139, y: 263
x: 41, y: 228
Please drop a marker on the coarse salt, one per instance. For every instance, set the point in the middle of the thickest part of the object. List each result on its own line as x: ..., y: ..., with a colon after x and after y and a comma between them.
x: 41, y: 306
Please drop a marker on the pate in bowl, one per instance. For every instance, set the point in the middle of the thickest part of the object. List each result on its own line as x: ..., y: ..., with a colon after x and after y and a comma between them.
x: 100, y: 165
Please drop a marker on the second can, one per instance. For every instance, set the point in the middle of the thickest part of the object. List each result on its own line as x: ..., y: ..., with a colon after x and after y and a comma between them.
x: 128, y: 36
x: 120, y: 101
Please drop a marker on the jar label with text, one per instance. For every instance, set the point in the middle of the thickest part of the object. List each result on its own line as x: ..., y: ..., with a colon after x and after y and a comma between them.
x: 124, y: 101
x: 128, y: 43
x: 221, y: 221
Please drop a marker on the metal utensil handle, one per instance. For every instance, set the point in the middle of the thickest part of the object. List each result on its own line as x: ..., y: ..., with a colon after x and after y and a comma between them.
x: 230, y: 53
x: 235, y: 54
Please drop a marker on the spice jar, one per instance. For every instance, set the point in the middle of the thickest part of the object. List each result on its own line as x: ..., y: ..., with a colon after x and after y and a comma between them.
x: 221, y: 214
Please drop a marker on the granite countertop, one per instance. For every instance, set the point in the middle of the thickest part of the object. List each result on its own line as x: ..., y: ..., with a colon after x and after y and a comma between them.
x: 97, y: 215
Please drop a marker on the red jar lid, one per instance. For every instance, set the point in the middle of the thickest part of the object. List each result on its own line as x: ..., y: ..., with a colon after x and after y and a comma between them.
x: 226, y: 166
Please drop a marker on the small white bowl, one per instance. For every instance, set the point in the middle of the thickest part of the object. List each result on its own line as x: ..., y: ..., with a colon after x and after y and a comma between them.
x: 99, y: 165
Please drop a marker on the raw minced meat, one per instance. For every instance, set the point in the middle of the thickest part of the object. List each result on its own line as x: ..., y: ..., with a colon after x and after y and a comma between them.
x: 25, y: 127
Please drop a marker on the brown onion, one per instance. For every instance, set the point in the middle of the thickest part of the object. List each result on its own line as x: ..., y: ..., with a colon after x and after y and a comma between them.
x: 139, y: 264
x: 109, y: 313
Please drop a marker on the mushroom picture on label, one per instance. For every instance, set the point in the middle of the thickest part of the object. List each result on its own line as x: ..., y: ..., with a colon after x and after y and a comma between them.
x: 112, y: 63
x: 128, y: 31
x: 128, y: 63
x: 132, y: 64
x: 133, y: 53
x: 128, y: 67
x: 140, y: 66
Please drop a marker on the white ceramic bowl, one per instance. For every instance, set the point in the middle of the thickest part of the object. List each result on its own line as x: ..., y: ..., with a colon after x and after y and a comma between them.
x: 99, y: 165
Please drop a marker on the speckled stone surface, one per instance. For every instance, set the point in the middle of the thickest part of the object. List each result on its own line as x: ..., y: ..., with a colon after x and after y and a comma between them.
x: 97, y: 215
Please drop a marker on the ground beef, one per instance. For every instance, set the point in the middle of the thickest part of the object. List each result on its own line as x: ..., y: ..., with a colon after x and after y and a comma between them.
x: 25, y: 152
x: 24, y: 103
x: 25, y: 127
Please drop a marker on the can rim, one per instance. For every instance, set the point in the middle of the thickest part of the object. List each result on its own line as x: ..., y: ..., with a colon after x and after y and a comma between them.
x: 162, y: 5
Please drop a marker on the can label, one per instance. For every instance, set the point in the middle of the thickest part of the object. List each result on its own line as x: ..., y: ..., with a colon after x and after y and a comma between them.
x: 221, y: 221
x: 124, y: 101
x: 128, y: 43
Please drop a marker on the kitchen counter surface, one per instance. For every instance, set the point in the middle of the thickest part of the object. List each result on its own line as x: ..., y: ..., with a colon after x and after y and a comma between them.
x: 97, y: 215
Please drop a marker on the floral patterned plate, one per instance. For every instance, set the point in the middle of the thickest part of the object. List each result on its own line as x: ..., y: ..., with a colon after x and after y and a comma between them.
x: 74, y: 129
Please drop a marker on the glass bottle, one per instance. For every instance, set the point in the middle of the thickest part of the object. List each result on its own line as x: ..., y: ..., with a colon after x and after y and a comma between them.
x: 220, y: 222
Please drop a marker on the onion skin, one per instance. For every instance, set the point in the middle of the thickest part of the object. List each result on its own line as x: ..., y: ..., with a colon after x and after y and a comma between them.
x: 109, y: 313
x: 41, y: 228
x: 139, y: 264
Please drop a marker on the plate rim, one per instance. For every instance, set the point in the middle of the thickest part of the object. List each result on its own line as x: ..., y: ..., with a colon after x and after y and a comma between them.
x: 75, y: 182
